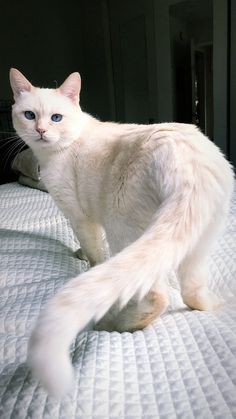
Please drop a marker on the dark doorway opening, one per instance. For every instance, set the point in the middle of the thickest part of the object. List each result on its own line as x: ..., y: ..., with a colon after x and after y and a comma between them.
x: 191, y: 30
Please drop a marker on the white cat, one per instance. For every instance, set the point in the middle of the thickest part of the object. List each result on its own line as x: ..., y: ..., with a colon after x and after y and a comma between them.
x: 158, y: 193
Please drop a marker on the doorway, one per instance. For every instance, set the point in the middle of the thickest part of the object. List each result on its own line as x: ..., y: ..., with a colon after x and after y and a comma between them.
x: 191, y: 35
x: 202, y: 88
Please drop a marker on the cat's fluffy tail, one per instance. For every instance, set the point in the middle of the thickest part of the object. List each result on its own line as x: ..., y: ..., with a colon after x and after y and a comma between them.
x: 173, y: 232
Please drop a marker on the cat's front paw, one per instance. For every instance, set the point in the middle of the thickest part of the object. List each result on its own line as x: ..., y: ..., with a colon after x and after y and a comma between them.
x: 81, y: 255
x: 203, y: 299
x: 104, y: 325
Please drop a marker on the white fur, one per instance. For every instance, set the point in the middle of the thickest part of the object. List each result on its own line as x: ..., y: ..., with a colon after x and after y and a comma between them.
x: 158, y: 193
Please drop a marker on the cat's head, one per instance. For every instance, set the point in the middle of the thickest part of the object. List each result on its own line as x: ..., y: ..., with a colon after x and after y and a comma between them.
x: 46, y: 118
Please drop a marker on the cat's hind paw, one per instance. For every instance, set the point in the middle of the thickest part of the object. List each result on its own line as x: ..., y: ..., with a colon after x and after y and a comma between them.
x: 203, y: 299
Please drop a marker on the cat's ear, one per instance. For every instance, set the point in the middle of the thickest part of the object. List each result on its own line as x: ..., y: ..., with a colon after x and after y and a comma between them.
x: 71, y: 87
x: 19, y: 83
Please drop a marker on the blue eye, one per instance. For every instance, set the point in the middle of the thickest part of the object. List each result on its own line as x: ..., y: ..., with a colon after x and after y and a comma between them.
x: 29, y: 115
x: 56, y: 117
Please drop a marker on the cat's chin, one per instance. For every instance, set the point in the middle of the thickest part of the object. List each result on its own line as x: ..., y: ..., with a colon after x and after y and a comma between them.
x: 42, y: 140
x: 39, y: 145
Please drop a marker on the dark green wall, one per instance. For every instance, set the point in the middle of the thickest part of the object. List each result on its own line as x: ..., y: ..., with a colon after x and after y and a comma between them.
x: 42, y: 40
x: 232, y: 87
x: 49, y: 40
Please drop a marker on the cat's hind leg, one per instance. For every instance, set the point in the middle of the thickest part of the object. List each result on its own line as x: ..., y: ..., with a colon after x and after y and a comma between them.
x: 194, y: 272
x: 136, y: 315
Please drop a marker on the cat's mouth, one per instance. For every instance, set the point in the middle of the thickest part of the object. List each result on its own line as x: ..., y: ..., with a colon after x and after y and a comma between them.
x: 42, y: 139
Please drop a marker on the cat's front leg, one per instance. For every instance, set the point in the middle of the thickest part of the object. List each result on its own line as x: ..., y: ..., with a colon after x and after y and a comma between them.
x: 81, y: 255
x: 92, y: 238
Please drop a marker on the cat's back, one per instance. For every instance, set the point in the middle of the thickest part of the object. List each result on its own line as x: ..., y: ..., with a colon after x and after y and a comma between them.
x: 176, y: 141
x: 130, y: 134
x: 184, y: 152
x: 177, y: 148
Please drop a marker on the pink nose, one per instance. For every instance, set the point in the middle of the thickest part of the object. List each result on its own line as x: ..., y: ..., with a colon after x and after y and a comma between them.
x: 41, y: 131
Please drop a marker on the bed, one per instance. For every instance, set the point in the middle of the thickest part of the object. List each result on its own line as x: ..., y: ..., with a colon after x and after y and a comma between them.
x: 182, y: 366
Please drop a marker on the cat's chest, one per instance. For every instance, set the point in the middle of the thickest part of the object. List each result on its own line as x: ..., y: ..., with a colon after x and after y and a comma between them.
x: 60, y: 180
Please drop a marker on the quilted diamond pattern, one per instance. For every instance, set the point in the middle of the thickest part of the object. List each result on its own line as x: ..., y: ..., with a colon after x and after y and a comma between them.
x: 182, y: 366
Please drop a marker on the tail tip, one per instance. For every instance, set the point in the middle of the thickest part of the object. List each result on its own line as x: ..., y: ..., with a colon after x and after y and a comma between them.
x: 53, y: 369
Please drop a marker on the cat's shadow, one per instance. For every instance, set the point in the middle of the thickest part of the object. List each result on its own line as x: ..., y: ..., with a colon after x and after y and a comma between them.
x: 55, y: 260
x: 22, y: 241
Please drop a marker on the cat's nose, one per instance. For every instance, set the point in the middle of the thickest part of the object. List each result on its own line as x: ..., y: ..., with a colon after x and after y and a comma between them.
x: 41, y: 131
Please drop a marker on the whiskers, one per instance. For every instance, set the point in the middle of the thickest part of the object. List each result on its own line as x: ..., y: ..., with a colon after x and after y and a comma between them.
x: 12, y: 144
x: 8, y: 140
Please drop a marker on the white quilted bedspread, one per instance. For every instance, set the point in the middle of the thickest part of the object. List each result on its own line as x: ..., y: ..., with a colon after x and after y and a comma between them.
x: 183, y: 366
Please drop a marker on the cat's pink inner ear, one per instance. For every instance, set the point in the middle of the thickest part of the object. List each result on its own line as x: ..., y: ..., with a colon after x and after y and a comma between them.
x: 19, y: 83
x: 71, y: 87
